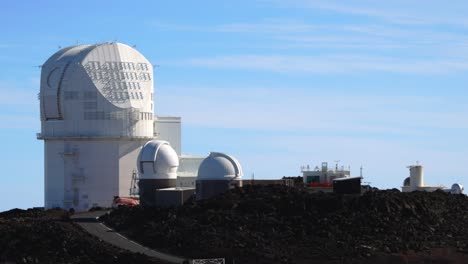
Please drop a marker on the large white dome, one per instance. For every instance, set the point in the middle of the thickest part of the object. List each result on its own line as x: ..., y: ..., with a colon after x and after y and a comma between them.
x: 157, y: 160
x: 219, y: 166
x: 103, y: 90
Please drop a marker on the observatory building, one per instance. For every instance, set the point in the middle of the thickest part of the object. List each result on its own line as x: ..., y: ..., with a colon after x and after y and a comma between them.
x: 96, y: 104
x: 101, y: 138
x: 157, y: 167
x: 323, y: 176
x: 218, y: 173
x: 415, y: 182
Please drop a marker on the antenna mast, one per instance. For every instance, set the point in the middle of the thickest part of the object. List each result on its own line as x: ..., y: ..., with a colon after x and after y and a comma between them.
x: 336, y: 166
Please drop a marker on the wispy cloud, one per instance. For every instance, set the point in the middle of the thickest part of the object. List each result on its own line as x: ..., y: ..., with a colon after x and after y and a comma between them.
x: 395, y: 17
x: 177, y: 27
x: 270, y: 109
x: 396, y: 12
x: 293, y: 128
x: 11, y: 45
x: 276, y: 26
x: 341, y: 42
x: 330, y: 64
x: 19, y: 121
x: 19, y: 108
x: 294, y: 34
x: 12, y: 96
x: 272, y: 26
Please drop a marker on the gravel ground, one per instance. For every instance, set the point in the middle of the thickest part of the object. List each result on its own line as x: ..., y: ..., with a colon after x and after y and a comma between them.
x: 36, y: 236
x: 278, y: 224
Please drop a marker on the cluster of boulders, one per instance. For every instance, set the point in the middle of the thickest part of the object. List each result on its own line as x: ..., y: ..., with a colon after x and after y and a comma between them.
x: 279, y: 224
x: 38, y: 236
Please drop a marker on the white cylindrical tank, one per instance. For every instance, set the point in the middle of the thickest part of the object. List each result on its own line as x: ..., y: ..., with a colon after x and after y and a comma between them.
x: 416, y: 177
x: 217, y: 173
x: 157, y: 166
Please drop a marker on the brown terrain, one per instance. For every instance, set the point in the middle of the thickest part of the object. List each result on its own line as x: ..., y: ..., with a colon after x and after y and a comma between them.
x: 36, y: 236
x: 258, y: 224
x: 278, y: 224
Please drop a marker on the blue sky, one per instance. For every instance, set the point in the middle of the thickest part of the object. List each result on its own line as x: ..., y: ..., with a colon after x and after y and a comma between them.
x: 278, y: 84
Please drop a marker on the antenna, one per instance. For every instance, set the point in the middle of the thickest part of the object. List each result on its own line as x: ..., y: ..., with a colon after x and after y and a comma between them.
x: 361, y: 171
x: 336, y: 166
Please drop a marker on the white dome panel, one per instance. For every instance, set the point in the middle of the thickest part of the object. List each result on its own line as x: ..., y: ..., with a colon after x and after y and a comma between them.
x: 121, y: 74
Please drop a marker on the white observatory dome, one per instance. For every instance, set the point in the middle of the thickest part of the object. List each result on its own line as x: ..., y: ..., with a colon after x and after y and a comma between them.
x: 98, y: 91
x: 219, y: 166
x: 457, y: 188
x: 157, y: 160
x: 407, y: 182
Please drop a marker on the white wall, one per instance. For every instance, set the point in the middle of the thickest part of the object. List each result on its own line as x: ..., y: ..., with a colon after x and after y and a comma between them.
x: 54, y: 186
x: 188, y: 170
x: 168, y: 128
x: 80, y: 174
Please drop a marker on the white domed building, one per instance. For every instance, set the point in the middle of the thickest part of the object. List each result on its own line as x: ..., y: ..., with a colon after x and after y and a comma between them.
x: 217, y: 173
x: 157, y: 166
x: 415, y: 182
x: 99, y: 131
x: 96, y: 104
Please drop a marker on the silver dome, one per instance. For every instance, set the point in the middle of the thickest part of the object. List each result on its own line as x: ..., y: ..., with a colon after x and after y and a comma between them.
x: 157, y: 160
x: 457, y: 188
x: 219, y: 166
x: 407, y: 182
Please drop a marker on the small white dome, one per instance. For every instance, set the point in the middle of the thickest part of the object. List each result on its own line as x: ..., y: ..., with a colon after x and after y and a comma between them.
x: 219, y: 166
x: 407, y: 181
x: 457, y: 188
x: 157, y: 160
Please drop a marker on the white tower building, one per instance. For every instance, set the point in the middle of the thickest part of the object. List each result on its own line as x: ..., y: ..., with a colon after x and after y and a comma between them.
x: 416, y: 177
x: 415, y: 182
x: 96, y: 104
